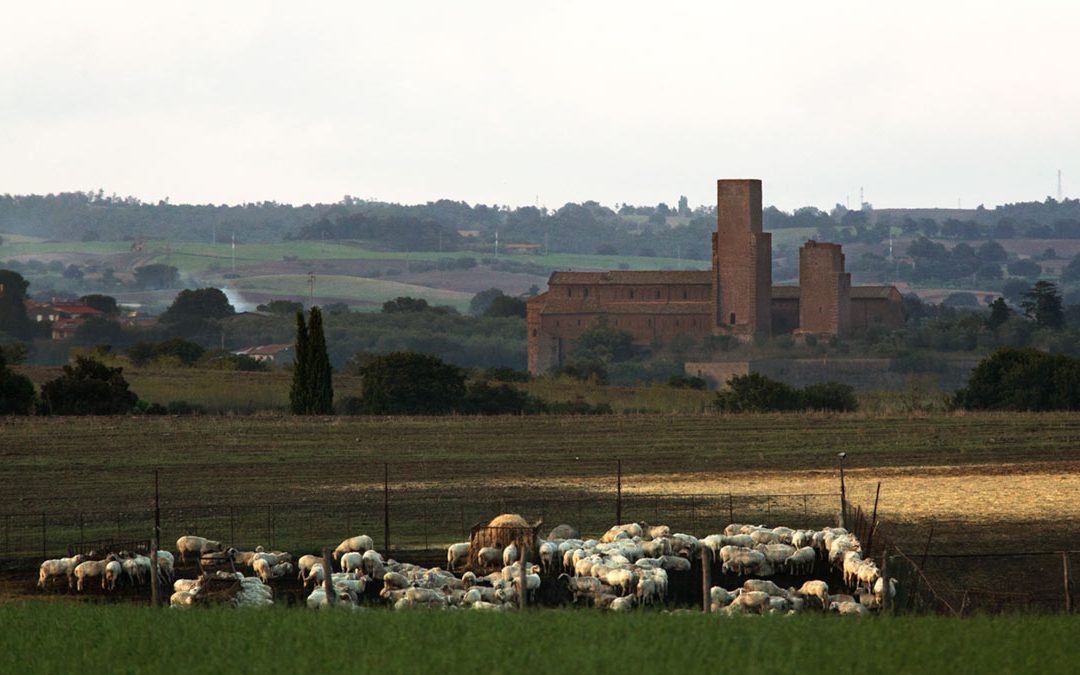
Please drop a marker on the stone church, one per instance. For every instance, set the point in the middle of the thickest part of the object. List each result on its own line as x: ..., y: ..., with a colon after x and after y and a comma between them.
x: 736, y: 297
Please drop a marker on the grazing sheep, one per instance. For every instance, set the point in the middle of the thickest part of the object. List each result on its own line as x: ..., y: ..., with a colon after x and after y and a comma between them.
x: 657, y: 531
x: 457, y: 556
x: 623, y: 604
x: 166, y: 562
x: 849, y: 609
x: 510, y: 554
x: 720, y: 597
x: 113, y: 570
x: 752, y: 601
x: 622, y: 580
x: 198, y: 545
x: 59, y: 567
x: 352, y: 561
x: 764, y: 586
x: 674, y: 563
x: 89, y: 569
x: 488, y: 556
x: 360, y: 544
x: 801, y: 561
x: 548, y: 554
x: 182, y: 599
x: 305, y: 563
x: 371, y: 562
x: 262, y: 569
x: 816, y: 589
x: 879, y: 590
x: 581, y: 587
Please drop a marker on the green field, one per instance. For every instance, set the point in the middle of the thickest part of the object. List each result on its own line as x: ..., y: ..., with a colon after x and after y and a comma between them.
x: 350, y: 289
x: 72, y: 639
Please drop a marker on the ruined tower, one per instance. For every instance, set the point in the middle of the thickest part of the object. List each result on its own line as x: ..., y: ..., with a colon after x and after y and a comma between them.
x: 742, y: 261
x: 824, y: 291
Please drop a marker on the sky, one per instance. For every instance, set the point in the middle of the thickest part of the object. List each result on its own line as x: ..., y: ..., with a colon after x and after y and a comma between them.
x: 933, y: 104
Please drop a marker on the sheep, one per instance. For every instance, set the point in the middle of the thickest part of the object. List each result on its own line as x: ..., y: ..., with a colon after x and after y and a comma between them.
x: 186, y: 585
x: 686, y: 545
x: 852, y: 561
x: 867, y: 574
x: 316, y: 575
x: 352, y: 561
x: 720, y: 597
x: 647, y: 591
x: 623, y: 604
x: 879, y: 590
x: 510, y: 554
x: 581, y: 587
x: 89, y: 569
x: 673, y: 563
x: 457, y: 556
x: 743, y: 540
x: 776, y: 554
x: 548, y: 554
x: 59, y: 567
x: 801, y: 561
x: 200, y: 545
x: 136, y: 568
x: 816, y: 589
x: 623, y: 580
x: 165, y: 562
x: 305, y: 563
x: 764, y: 586
x: 113, y: 570
x: 746, y: 562
x: 658, y: 531
x: 371, y: 562
x: 488, y: 556
x: 360, y: 544
x: 262, y: 569
x: 802, y: 538
x: 181, y: 599
x: 396, y: 580
x: 849, y: 609
x: 755, y: 601
x: 764, y: 537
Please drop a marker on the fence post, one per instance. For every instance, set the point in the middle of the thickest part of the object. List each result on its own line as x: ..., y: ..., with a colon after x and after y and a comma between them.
x: 873, y: 520
x: 706, y: 581
x: 328, y: 581
x: 926, y: 549
x: 730, y: 508
x: 153, y: 573
x: 43, y: 536
x: 886, y: 599
x: 157, y: 508
x: 618, y: 492
x: 1068, y: 584
x: 386, y: 507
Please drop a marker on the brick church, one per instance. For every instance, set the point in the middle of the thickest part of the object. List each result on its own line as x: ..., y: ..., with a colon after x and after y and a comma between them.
x: 736, y: 297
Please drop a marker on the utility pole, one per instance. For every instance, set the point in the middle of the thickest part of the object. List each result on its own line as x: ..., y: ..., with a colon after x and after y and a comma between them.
x: 234, y: 253
x: 311, y: 289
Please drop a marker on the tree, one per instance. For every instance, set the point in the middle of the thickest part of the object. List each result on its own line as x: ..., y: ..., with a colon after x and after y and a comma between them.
x: 300, y: 393
x: 17, y: 394
x: 282, y: 307
x: 999, y: 313
x: 1022, y: 379
x: 992, y: 252
x: 312, y: 391
x: 198, y: 305
x: 505, y: 305
x: 184, y: 352
x: 756, y: 393
x: 482, y: 300
x: 830, y: 396
x: 600, y: 342
x: 88, y: 388
x: 405, y: 304
x: 320, y: 374
x: 1029, y: 269
x: 1071, y: 272
x: 157, y: 276
x: 407, y: 383
x: 98, y: 330
x: 1043, y: 304
x: 106, y: 304
x: 13, y: 317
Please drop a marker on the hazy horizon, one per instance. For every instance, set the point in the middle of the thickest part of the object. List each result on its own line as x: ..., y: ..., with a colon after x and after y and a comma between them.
x: 924, y: 105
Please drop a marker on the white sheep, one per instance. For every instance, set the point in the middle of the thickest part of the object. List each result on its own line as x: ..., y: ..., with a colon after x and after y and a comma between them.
x: 488, y: 556
x: 198, y: 545
x: 113, y: 570
x: 879, y: 590
x: 352, y: 561
x: 166, y: 565
x: 360, y: 544
x: 849, y: 609
x: 816, y: 589
x: 372, y: 562
x: 510, y: 554
x: 457, y: 556
x: 764, y: 586
x: 263, y: 569
x: 801, y: 561
x: 59, y: 567
x: 548, y: 554
x: 623, y: 580
x: 89, y: 569
x: 182, y: 599
x: 720, y: 597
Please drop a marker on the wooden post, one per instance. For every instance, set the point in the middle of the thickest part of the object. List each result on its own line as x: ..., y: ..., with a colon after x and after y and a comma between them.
x: 328, y: 580
x: 730, y: 508
x: 886, y: 601
x: 843, y: 496
x: 523, y: 587
x: 873, y: 520
x: 926, y: 549
x: 157, y: 509
x: 153, y: 573
x: 1065, y: 576
x: 386, y: 507
x: 706, y: 581
x: 618, y: 497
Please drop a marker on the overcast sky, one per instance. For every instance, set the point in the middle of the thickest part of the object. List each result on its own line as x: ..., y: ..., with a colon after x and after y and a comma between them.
x: 922, y: 103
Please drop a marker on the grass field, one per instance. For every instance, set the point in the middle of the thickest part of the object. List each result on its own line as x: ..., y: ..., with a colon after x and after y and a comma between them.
x: 350, y: 289
x: 58, y: 638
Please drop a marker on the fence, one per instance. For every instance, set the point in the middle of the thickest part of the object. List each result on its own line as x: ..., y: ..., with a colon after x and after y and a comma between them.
x: 414, y: 522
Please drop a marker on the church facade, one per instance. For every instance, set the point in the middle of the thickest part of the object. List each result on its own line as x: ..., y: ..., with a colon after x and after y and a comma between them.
x: 736, y: 297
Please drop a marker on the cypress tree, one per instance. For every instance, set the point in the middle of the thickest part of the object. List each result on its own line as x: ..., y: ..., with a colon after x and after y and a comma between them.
x: 299, y: 394
x: 320, y: 386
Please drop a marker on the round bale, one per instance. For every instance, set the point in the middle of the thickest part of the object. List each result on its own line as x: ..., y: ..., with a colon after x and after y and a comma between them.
x: 508, y: 520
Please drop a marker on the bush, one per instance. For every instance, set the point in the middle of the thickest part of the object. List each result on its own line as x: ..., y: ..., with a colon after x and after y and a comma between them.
x: 184, y: 408
x: 87, y: 388
x: 757, y: 393
x: 686, y: 382
x: 17, y: 396
x: 1022, y: 379
x: 586, y: 371
x: 830, y: 396
x: 407, y: 383
x: 504, y: 374
x: 483, y: 398
x: 577, y: 407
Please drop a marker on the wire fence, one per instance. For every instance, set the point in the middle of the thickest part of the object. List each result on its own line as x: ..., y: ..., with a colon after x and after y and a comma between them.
x: 413, y: 522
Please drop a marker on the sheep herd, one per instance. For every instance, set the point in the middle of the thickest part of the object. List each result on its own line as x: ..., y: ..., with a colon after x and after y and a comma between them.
x: 627, y: 567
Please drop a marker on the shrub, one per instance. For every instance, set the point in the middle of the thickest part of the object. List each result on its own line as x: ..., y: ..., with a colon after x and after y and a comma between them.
x: 87, y: 388
x: 756, y: 393
x: 577, y: 407
x: 407, y: 383
x: 483, y: 398
x: 586, y: 371
x: 686, y: 382
x: 17, y: 396
x: 1022, y: 379
x: 504, y: 374
x: 830, y: 396
x: 184, y: 408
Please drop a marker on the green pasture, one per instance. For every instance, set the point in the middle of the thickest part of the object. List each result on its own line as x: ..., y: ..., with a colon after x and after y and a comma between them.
x: 350, y: 289
x: 62, y: 638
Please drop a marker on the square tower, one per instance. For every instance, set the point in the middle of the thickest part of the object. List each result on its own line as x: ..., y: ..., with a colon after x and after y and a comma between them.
x: 824, y: 290
x: 742, y: 261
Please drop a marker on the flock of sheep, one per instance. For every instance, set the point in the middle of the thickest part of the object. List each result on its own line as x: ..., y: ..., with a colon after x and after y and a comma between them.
x: 627, y: 567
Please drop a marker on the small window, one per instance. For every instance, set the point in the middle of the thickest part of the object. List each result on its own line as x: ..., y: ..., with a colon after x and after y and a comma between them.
x: 684, y: 295
x: 732, y: 319
x: 658, y: 295
x: 586, y: 292
x: 650, y: 322
x: 631, y: 295
x: 556, y: 324
x: 676, y: 323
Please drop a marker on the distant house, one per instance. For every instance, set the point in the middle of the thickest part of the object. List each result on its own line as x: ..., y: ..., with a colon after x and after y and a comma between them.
x: 469, y: 234
x: 65, y: 317
x: 523, y: 249
x: 274, y: 354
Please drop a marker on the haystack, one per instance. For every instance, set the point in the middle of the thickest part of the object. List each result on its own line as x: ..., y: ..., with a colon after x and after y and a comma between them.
x: 508, y: 520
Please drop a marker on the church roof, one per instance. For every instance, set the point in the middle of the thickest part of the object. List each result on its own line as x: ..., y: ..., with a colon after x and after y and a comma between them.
x: 595, y: 306
x: 626, y: 277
